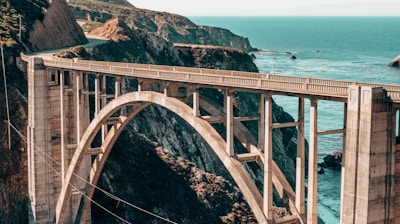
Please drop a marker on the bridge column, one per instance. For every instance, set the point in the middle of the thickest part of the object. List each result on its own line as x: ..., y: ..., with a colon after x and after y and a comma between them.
x: 261, y: 122
x: 78, y: 106
x: 117, y: 86
x: 42, y: 203
x: 196, y: 102
x: 229, y: 122
x: 312, y: 197
x: 350, y: 158
x: 62, y: 124
x: 268, y: 188
x: 97, y: 94
x: 103, y: 96
x: 81, y: 110
x: 300, y: 160
x: 368, y: 188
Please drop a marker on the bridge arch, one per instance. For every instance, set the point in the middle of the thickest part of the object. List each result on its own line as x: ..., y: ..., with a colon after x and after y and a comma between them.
x: 206, y: 131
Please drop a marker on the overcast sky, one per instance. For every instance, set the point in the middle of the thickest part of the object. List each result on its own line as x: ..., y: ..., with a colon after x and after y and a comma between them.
x: 273, y: 7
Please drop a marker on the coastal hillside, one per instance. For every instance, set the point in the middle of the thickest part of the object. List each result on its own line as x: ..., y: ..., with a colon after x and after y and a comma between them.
x: 172, y: 27
x: 165, y: 155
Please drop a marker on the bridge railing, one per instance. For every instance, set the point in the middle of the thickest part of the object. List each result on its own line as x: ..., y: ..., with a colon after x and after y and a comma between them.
x: 312, y: 86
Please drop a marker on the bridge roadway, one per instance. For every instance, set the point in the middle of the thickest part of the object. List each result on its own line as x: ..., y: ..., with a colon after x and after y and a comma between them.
x: 335, y: 90
x: 59, y: 88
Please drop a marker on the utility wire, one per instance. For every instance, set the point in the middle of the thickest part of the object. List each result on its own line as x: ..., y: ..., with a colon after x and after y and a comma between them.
x: 6, y: 94
x: 73, y: 186
x: 98, y: 188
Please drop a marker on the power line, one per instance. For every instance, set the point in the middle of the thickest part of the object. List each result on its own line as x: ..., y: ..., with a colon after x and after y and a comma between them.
x: 73, y: 186
x: 98, y: 188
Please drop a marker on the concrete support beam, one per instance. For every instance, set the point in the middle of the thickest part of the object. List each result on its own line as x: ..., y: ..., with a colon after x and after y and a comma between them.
x: 62, y: 124
x: 38, y: 178
x: 117, y: 86
x: 312, y: 197
x: 229, y: 123
x: 375, y: 188
x: 86, y: 102
x: 78, y: 86
x: 368, y: 182
x: 350, y: 159
x: 268, y: 197
x: 103, y: 91
x: 196, y: 102
x: 261, y: 123
x: 97, y: 94
x: 300, y: 160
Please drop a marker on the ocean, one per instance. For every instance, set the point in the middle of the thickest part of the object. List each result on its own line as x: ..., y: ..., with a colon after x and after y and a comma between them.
x: 342, y: 48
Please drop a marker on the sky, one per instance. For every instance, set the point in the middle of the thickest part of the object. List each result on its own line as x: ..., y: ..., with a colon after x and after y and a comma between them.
x: 273, y: 7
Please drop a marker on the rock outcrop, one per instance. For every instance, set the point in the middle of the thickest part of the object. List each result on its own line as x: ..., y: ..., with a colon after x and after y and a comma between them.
x: 57, y: 29
x: 332, y: 161
x: 133, y: 45
x: 172, y: 27
x: 395, y: 62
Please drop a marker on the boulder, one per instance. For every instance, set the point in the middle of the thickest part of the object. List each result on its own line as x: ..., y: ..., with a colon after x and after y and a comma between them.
x: 395, y: 62
x: 333, y: 161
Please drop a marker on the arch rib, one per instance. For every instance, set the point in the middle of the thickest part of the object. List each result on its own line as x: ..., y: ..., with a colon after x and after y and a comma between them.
x: 215, y: 141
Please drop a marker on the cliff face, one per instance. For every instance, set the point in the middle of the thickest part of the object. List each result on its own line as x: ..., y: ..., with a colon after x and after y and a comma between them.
x: 57, y: 29
x: 13, y: 163
x: 172, y: 27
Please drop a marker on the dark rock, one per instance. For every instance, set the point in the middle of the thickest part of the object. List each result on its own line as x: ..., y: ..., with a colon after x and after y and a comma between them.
x: 58, y: 29
x: 333, y: 161
x: 395, y: 62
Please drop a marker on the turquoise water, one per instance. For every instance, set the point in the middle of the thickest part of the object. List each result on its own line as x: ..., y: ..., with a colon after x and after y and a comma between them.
x: 343, y: 48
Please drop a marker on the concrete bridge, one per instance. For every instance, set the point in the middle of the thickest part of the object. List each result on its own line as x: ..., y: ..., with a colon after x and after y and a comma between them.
x: 62, y: 123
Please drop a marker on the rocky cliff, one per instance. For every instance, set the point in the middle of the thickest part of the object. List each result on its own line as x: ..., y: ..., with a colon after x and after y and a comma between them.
x: 172, y: 27
x: 57, y: 29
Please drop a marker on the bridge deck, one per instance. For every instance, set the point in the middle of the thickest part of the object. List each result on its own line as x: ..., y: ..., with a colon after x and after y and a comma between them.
x: 336, y: 90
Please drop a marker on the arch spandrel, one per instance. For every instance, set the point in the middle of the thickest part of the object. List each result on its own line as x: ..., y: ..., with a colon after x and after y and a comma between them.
x: 206, y: 131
